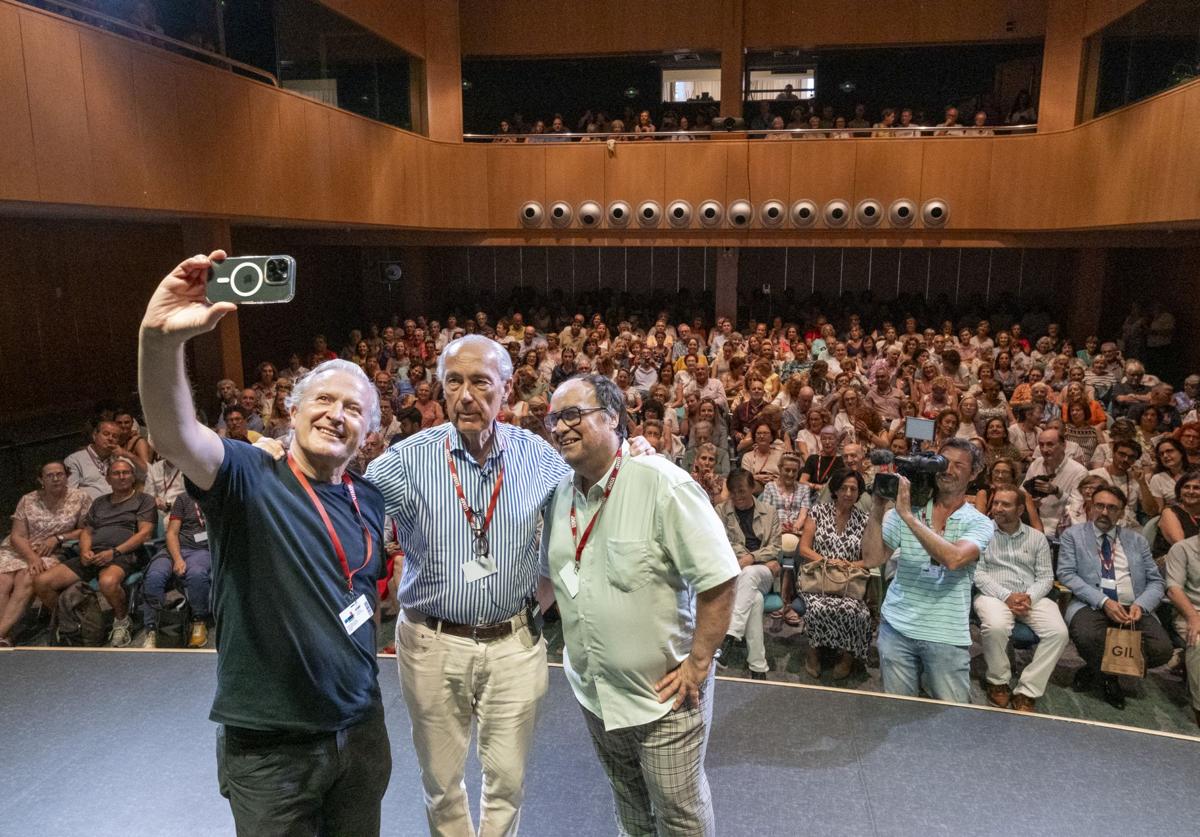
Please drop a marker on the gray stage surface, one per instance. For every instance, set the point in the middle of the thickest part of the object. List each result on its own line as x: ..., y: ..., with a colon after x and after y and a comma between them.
x: 118, y: 743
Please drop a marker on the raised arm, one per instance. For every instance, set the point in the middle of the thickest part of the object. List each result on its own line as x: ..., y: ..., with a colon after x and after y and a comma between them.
x: 178, y: 312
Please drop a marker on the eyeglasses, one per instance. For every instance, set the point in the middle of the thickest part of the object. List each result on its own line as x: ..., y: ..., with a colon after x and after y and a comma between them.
x: 1107, y: 506
x: 570, y: 416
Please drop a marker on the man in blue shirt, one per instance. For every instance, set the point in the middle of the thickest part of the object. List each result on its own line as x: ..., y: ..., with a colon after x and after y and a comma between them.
x: 297, y: 549
x: 924, y: 638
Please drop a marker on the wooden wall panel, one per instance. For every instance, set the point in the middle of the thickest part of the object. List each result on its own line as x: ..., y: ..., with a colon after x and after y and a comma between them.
x: 1100, y: 13
x: 170, y: 168
x: 887, y: 169
x: 1062, y: 65
x: 402, y: 23
x: 696, y: 172
x: 822, y: 170
x: 267, y: 142
x: 516, y: 174
x: 770, y: 172
x: 958, y: 171
x: 575, y: 173
x: 297, y: 157
x: 637, y: 172
x: 116, y: 149
x: 18, y: 179
x: 54, y: 75
x: 317, y: 164
x: 776, y: 23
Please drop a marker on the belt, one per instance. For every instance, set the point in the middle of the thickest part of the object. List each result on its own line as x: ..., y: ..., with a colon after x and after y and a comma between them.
x: 479, y: 633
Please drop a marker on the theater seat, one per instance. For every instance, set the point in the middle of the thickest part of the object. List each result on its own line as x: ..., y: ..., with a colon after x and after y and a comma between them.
x: 772, y: 602
x: 1023, y: 637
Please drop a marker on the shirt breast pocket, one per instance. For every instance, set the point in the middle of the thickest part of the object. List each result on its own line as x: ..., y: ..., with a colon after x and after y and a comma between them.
x: 628, y: 564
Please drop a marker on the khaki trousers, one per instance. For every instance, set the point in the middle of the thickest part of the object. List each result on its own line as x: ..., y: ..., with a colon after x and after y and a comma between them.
x: 447, y: 681
x: 996, y: 623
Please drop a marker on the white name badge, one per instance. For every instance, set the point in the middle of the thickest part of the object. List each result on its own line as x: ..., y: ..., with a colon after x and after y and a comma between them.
x: 934, y: 571
x: 570, y: 579
x: 357, y: 614
x: 481, y: 567
x: 201, y: 536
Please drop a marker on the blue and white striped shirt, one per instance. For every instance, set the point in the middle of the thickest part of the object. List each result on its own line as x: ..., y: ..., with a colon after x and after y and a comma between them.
x: 419, y: 496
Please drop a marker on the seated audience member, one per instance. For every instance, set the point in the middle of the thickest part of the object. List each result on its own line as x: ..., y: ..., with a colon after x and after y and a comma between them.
x: 249, y: 402
x: 1122, y: 429
x: 1181, y: 519
x: 833, y: 534
x: 110, y: 549
x: 755, y: 535
x: 1051, y: 478
x: 1112, y: 576
x: 924, y: 639
x: 1188, y: 435
x: 236, y: 427
x: 42, y: 521
x: 1170, y: 462
x: 1132, y: 391
x: 88, y: 468
x: 279, y: 420
x: 1023, y: 434
x: 762, y: 459
x: 791, y: 500
x: 665, y: 444
x: 746, y: 412
x: 163, y: 484
x: 430, y: 410
x: 1188, y: 398
x: 1014, y: 577
x: 1123, y: 472
x: 184, y: 558
x: 702, y: 433
x: 1078, y: 428
x: 704, y: 472
x: 820, y: 467
x: 1003, y: 473
x: 1183, y: 589
x: 389, y: 424
x: 130, y: 443
x: 227, y: 393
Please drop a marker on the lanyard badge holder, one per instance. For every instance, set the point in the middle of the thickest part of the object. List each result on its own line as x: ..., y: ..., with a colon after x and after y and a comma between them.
x: 482, y: 565
x: 569, y: 574
x: 358, y: 611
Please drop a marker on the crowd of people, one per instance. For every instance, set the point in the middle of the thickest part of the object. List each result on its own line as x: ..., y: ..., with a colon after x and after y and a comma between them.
x: 777, y: 422
x: 806, y: 119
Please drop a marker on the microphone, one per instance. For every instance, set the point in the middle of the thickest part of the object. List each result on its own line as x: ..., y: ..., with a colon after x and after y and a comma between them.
x: 881, y: 456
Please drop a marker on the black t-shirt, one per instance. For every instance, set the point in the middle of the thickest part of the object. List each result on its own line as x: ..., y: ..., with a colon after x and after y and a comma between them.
x: 746, y: 523
x: 284, y: 661
x: 821, y: 468
x: 187, y: 512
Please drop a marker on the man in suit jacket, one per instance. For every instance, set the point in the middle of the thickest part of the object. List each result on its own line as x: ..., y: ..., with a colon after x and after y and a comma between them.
x: 1110, y: 571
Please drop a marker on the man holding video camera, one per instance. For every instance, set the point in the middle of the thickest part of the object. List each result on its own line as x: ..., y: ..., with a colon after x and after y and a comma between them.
x: 924, y: 639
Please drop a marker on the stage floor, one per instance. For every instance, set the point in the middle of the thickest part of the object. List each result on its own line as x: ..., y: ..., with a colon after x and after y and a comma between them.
x: 102, y: 742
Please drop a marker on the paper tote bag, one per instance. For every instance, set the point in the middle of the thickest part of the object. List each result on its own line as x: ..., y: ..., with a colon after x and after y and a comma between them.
x: 1123, y: 653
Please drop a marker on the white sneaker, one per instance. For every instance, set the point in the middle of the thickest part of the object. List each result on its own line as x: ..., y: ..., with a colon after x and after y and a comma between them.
x: 151, y: 639
x: 121, y: 636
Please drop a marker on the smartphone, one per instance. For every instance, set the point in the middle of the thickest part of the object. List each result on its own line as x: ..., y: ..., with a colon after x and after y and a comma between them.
x: 252, y: 280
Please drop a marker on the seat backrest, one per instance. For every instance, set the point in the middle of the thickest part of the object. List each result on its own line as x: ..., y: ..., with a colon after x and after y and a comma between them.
x: 1150, y: 530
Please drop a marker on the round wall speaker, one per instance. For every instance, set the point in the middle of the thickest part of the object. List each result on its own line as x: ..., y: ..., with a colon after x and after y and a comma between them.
x: 649, y: 213
x: 741, y: 213
x: 836, y: 213
x: 902, y: 213
x: 711, y: 214
x: 679, y: 213
x: 804, y: 214
x: 868, y: 213
x: 772, y: 213
x: 531, y: 214
x: 560, y: 214
x: 590, y: 214
x: 619, y: 214
x: 934, y: 213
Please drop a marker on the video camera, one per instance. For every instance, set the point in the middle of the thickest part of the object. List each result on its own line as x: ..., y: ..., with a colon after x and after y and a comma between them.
x: 919, y: 467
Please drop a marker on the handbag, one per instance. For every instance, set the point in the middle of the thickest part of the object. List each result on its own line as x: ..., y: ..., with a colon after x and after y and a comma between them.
x: 823, y: 578
x: 1123, y: 652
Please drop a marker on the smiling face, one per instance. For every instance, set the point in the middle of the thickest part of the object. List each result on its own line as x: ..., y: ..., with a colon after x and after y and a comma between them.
x: 331, y: 420
x: 594, y: 430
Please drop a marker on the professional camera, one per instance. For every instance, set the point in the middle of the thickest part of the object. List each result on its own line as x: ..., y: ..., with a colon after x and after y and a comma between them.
x: 921, y: 469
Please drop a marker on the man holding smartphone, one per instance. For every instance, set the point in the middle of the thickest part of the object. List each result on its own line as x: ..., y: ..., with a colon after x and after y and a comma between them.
x: 297, y: 549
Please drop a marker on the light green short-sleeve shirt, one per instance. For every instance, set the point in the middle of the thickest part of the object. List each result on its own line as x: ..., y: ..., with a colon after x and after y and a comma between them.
x: 657, y: 543
x: 926, y: 601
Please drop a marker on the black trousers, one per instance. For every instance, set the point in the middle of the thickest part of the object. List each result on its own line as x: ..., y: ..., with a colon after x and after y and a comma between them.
x: 1089, y: 627
x: 287, y: 785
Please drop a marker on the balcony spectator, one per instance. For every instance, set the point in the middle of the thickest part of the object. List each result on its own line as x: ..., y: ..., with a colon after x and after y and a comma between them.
x: 887, y: 119
x: 839, y: 128
x: 505, y: 132
x: 1022, y: 111
x: 644, y: 125
x: 788, y: 95
x: 979, y: 126
x: 906, y: 127
x: 949, y: 125
x: 683, y: 131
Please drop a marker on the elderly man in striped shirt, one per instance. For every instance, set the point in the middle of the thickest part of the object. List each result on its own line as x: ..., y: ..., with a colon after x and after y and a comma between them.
x: 1014, y: 577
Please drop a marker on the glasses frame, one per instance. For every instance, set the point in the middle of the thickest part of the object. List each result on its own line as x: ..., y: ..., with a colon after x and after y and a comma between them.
x: 552, y: 419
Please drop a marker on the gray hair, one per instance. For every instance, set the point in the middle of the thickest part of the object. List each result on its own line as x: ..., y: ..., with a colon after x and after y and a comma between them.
x: 306, y: 382
x: 499, y: 355
x: 609, y: 397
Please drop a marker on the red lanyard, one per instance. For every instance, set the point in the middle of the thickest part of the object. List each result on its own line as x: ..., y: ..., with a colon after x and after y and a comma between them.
x: 171, y: 482
x: 101, y: 464
x: 581, y: 543
x: 478, y: 531
x: 333, y: 535
x: 822, y: 478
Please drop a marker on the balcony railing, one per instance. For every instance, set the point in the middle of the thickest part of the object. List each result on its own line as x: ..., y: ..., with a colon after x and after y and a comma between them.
x: 742, y: 132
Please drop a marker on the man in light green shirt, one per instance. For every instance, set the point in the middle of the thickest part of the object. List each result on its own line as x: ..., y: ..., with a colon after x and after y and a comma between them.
x: 643, y: 575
